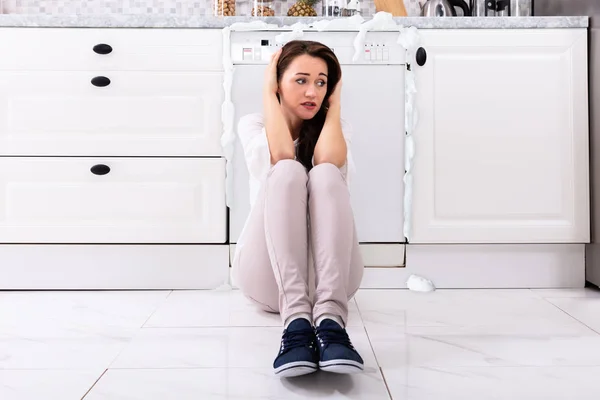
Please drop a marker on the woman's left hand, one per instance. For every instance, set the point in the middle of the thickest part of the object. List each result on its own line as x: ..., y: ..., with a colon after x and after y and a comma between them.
x: 335, y: 97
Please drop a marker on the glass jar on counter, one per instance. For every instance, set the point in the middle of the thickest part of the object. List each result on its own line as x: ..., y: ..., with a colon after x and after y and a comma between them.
x: 521, y: 8
x: 263, y: 8
x: 513, y: 8
x: 351, y: 8
x: 501, y: 8
x: 331, y: 8
x: 224, y: 8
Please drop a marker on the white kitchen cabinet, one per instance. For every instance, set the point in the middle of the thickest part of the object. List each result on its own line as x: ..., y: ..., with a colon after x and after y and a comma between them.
x: 155, y: 113
x: 501, y: 146
x: 158, y: 218
x: 134, y: 200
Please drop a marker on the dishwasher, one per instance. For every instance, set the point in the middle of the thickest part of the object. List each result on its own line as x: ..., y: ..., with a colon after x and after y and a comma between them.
x: 373, y: 102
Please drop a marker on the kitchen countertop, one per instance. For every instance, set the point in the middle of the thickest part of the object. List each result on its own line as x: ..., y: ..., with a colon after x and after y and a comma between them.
x: 207, y: 22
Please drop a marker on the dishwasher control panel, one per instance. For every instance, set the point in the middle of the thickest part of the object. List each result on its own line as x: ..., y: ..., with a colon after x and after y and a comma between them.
x: 257, y: 47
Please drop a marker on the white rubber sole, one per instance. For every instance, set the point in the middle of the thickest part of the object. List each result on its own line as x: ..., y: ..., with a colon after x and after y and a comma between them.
x: 341, y: 366
x: 297, y: 368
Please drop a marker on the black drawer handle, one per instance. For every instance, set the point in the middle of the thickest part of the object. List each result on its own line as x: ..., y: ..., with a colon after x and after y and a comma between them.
x: 101, y: 81
x: 421, y: 56
x: 100, y: 169
x: 103, y: 48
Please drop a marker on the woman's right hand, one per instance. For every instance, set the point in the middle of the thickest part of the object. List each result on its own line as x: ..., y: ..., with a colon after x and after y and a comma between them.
x: 271, y: 84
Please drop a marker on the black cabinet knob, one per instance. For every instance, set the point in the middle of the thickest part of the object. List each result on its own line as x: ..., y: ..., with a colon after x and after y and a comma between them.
x: 100, y: 169
x: 101, y: 81
x: 103, y: 48
x: 421, y: 56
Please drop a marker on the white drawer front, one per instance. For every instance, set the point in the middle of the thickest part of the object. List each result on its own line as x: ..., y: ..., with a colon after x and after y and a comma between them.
x: 132, y: 49
x: 141, y: 200
x: 138, y: 113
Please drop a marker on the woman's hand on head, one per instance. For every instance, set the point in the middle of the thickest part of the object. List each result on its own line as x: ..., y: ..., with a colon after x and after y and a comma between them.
x: 271, y: 84
x: 336, y: 95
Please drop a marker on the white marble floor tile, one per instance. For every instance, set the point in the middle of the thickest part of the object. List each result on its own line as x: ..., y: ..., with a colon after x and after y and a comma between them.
x: 394, y: 299
x: 446, y: 345
x: 485, y: 351
x: 235, y: 347
x: 46, y: 384
x: 193, y: 308
x: 233, y: 383
x: 586, y: 310
x: 380, y: 311
x: 200, y: 348
x: 493, y: 383
x: 391, y: 322
x: 59, y: 348
x: 205, y: 308
x: 63, y: 330
x: 161, y: 384
x: 86, y: 311
x: 469, y: 312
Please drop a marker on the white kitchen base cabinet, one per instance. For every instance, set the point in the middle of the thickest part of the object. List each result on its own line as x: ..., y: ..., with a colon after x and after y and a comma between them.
x: 486, y: 266
x: 501, y: 146
x: 112, y: 200
x: 113, y: 267
x: 111, y: 167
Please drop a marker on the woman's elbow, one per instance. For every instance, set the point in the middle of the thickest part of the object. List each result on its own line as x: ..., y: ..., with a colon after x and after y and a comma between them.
x: 281, y: 155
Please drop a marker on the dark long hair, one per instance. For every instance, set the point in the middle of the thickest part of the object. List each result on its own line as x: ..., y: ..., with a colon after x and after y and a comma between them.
x: 311, y: 129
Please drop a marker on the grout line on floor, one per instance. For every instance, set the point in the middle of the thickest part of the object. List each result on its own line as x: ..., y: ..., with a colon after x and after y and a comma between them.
x: 374, y: 354
x: 137, y: 332
x: 386, y: 384
x: 156, y: 309
x: 122, y: 350
x: 94, y: 384
x: 581, y: 322
x: 367, y: 333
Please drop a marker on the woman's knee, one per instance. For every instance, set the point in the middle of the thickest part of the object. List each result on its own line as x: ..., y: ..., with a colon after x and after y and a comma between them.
x: 289, y: 167
x: 326, y: 178
x: 288, y: 174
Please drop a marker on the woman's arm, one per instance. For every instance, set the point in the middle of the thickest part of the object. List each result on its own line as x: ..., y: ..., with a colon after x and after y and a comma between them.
x: 331, y: 146
x: 281, y: 145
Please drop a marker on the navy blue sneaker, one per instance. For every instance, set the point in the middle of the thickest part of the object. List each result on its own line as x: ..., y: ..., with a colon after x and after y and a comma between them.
x: 298, y: 354
x: 336, y: 351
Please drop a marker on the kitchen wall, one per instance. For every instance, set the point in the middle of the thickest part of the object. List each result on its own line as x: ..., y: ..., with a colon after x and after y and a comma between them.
x: 178, y: 7
x: 567, y: 7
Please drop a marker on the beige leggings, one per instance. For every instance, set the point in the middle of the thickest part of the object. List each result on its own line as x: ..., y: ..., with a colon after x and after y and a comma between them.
x: 272, y: 268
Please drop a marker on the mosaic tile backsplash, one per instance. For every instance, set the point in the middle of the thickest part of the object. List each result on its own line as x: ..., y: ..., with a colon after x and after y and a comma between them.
x: 177, y: 7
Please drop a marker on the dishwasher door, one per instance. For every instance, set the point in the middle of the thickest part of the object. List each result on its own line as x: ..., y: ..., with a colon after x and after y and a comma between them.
x: 373, y: 103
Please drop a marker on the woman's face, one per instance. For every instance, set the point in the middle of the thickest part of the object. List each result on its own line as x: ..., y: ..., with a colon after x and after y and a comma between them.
x: 303, y: 86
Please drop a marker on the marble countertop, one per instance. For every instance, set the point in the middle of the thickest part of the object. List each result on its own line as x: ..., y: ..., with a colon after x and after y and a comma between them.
x: 207, y: 22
